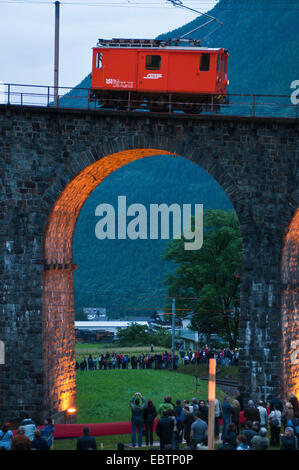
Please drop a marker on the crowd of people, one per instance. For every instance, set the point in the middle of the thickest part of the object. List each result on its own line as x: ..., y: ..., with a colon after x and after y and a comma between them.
x: 187, y: 422
x: 28, y: 436
x: 158, y: 360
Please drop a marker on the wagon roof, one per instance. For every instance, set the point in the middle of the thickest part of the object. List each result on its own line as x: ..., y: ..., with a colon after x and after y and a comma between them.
x: 169, y: 44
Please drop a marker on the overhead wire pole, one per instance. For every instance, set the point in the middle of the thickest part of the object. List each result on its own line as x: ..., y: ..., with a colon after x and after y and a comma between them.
x: 56, y: 54
x: 173, y: 332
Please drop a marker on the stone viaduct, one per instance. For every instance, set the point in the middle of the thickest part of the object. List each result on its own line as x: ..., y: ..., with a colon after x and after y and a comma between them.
x: 51, y: 160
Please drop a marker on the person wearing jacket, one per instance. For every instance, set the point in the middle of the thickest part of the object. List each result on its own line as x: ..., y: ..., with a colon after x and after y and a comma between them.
x: 275, y: 425
x: 251, y: 413
x: 227, y: 410
x: 288, y: 440
x: 137, y: 404
x: 236, y: 415
x: 149, y: 416
x: 86, y: 442
x: 164, y: 429
x: 230, y: 435
x: 218, y: 415
x: 263, y: 414
x: 30, y: 427
x: 47, y: 432
x: 39, y: 443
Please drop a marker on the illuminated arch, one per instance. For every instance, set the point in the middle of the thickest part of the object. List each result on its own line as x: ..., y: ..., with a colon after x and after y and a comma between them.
x: 58, y: 295
x: 290, y: 308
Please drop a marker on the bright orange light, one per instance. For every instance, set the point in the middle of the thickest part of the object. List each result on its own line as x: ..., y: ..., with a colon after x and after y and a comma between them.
x: 212, y: 379
x: 290, y: 308
x: 71, y: 411
x: 58, y: 295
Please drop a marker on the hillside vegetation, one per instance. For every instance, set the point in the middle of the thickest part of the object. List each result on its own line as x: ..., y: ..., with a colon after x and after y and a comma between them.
x: 262, y: 37
x: 126, y: 276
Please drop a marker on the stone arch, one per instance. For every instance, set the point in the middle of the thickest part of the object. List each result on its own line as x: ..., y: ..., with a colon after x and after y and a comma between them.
x: 58, y: 298
x: 290, y: 309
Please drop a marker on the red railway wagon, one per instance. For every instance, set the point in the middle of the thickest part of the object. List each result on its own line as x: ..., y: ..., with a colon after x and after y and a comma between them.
x: 159, y: 74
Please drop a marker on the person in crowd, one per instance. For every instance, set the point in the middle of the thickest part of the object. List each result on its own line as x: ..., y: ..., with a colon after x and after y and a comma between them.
x: 20, y: 438
x: 86, y: 442
x: 260, y: 441
x: 236, y: 415
x: 188, y: 420
x: 198, y: 431
x: 251, y: 413
x: 6, y: 437
x: 166, y: 405
x: 164, y: 429
x: 240, y: 400
x: 186, y: 403
x: 83, y: 364
x: 30, y: 427
x: 203, y: 410
x: 287, y: 414
x: 47, y: 432
x: 231, y: 435
x: 275, y: 425
x: 38, y: 443
x: 226, y: 445
x: 294, y: 423
x: 179, y: 409
x: 294, y: 400
x: 218, y: 415
x: 90, y: 362
x: 137, y: 404
x: 150, y: 414
x: 248, y: 432
x: 227, y: 410
x: 178, y: 430
x: 256, y: 426
x: 276, y: 403
x: 242, y: 442
x: 263, y: 414
x: 288, y: 440
x: 195, y: 404
x: 172, y: 415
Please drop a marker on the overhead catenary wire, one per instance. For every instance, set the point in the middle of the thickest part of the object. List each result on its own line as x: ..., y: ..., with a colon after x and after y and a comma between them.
x: 275, y: 4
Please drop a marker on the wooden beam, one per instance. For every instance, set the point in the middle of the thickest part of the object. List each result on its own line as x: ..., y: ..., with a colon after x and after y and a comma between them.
x: 211, y: 398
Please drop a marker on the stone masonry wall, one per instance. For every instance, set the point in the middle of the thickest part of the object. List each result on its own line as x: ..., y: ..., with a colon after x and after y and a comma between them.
x: 43, y: 150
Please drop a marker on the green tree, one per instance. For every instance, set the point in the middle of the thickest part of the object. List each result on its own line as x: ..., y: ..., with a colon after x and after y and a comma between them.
x: 141, y: 334
x: 206, y: 281
x: 133, y: 334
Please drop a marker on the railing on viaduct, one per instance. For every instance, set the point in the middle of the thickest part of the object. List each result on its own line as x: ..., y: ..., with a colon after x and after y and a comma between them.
x: 251, y: 105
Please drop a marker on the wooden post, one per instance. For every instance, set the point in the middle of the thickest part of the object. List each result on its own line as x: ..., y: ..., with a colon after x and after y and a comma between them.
x: 211, y: 398
x: 2, y: 353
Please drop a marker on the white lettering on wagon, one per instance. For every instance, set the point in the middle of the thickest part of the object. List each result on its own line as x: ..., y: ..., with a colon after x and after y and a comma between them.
x: 153, y: 76
x: 117, y: 83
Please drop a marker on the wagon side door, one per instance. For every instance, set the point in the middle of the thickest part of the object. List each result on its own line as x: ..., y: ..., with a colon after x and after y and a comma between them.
x: 152, y: 71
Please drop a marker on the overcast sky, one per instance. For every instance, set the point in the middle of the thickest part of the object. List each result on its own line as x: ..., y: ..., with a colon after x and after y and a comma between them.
x: 27, y: 33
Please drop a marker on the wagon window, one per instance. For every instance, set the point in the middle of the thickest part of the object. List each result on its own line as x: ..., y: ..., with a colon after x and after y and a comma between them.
x: 99, y: 60
x: 204, y: 62
x: 153, y: 62
x: 221, y: 66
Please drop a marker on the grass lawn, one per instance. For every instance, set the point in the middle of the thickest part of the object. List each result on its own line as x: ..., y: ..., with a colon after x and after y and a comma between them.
x: 103, y: 396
